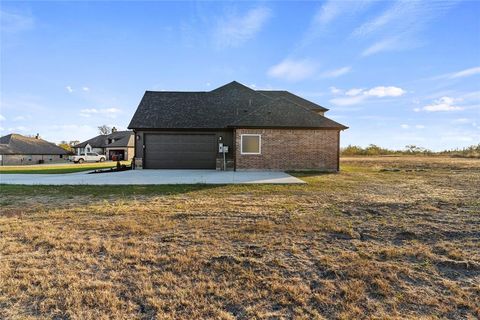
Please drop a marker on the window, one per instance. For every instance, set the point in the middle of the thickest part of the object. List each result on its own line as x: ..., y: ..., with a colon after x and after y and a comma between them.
x: 251, y: 144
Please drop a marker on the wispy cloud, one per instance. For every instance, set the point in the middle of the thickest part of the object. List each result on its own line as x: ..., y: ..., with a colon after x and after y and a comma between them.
x: 11, y: 22
x: 69, y: 89
x: 388, y: 44
x: 2, y: 118
x: 357, y: 95
x: 234, y: 30
x: 109, y: 112
x: 442, y: 104
x: 293, y: 70
x: 336, y: 72
x: 330, y: 12
x: 458, y: 74
x: 417, y: 126
x: 86, y: 89
x: 22, y: 118
x: 466, y: 73
x: 399, y: 26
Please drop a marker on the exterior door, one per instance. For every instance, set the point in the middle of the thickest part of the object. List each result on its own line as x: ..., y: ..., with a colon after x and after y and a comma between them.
x: 180, y: 151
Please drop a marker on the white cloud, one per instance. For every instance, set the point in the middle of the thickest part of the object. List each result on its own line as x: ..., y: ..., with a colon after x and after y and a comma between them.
x: 353, y: 92
x: 348, y: 101
x: 442, y: 104
x: 466, y: 73
x: 69, y: 89
x: 234, y: 30
x: 385, y: 92
x: 420, y: 126
x: 2, y: 118
x: 357, y: 95
x: 292, y: 70
x: 335, y: 90
x: 404, y: 126
x: 86, y: 89
x: 109, y: 112
x: 336, y: 73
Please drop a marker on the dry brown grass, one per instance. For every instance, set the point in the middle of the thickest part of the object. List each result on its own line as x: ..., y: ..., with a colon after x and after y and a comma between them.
x: 365, y: 243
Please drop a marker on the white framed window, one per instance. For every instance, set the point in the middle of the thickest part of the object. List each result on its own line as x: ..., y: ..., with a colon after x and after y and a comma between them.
x: 251, y: 144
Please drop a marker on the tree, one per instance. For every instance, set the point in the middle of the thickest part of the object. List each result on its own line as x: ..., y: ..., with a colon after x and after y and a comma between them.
x: 66, y: 146
x: 104, y: 129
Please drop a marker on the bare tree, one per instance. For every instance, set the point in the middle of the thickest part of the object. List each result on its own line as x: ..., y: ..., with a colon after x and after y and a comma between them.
x: 104, y: 129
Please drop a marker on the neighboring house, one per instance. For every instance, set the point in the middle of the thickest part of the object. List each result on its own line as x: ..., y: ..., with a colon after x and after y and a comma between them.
x: 117, y: 143
x: 16, y: 149
x: 263, y: 130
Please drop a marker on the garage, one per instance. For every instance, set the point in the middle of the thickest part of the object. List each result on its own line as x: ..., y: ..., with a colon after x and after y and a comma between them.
x: 179, y: 151
x: 116, y: 155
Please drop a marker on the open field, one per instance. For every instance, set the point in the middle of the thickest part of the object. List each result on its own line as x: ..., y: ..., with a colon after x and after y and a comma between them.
x: 388, y: 237
x: 59, y: 168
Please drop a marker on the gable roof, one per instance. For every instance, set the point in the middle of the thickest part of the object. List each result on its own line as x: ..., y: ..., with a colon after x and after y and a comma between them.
x: 224, y: 107
x: 121, y: 139
x: 18, y: 144
x: 293, y: 98
x: 280, y: 112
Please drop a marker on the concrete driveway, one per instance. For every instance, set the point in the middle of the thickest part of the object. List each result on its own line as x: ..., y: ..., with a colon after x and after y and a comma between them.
x: 140, y: 177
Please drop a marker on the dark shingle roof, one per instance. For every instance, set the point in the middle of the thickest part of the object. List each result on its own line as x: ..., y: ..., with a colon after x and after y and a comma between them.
x: 121, y: 139
x: 18, y: 144
x: 281, y: 113
x: 221, y: 108
x: 294, y: 98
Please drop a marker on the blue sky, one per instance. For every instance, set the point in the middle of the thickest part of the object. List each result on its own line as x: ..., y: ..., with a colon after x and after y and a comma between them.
x: 395, y: 72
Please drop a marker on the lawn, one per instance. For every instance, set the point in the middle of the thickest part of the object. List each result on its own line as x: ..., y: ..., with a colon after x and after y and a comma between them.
x: 395, y: 237
x: 58, y: 168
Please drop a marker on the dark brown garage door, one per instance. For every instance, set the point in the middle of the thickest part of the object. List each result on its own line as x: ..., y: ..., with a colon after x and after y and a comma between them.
x: 180, y: 151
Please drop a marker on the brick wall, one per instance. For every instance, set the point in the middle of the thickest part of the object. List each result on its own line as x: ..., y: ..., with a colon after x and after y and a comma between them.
x: 19, y: 159
x: 286, y: 149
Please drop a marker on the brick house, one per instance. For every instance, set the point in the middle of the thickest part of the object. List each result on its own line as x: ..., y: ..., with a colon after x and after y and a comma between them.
x: 116, y: 145
x: 16, y: 149
x: 234, y: 127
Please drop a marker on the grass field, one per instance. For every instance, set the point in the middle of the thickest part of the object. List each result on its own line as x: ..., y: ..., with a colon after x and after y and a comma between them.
x: 58, y: 168
x: 395, y: 237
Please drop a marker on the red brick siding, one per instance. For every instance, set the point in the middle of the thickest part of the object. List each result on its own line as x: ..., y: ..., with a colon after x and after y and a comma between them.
x: 286, y: 149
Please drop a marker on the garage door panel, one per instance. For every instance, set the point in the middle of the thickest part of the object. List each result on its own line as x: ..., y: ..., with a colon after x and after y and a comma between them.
x: 181, y: 148
x: 180, y: 151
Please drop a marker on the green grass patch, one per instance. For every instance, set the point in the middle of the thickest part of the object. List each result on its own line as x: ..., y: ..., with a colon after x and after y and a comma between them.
x: 56, y: 169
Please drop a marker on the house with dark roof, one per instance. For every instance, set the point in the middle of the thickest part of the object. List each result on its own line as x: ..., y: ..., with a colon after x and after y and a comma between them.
x: 234, y: 127
x: 16, y: 149
x: 116, y: 145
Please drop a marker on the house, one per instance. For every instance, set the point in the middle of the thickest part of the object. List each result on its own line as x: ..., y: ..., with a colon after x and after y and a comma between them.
x: 16, y: 149
x: 260, y: 130
x: 116, y: 144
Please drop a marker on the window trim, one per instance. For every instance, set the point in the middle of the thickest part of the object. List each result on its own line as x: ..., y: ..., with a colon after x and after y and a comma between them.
x: 251, y: 135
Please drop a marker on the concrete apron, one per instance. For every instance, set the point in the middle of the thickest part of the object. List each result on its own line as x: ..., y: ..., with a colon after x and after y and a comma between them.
x: 152, y: 177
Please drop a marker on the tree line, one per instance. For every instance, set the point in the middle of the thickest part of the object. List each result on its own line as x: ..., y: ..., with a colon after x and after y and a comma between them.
x: 374, y: 150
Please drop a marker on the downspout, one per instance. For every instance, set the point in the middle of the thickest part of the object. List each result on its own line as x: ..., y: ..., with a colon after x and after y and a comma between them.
x: 338, y: 150
x: 134, y: 149
x: 234, y: 149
